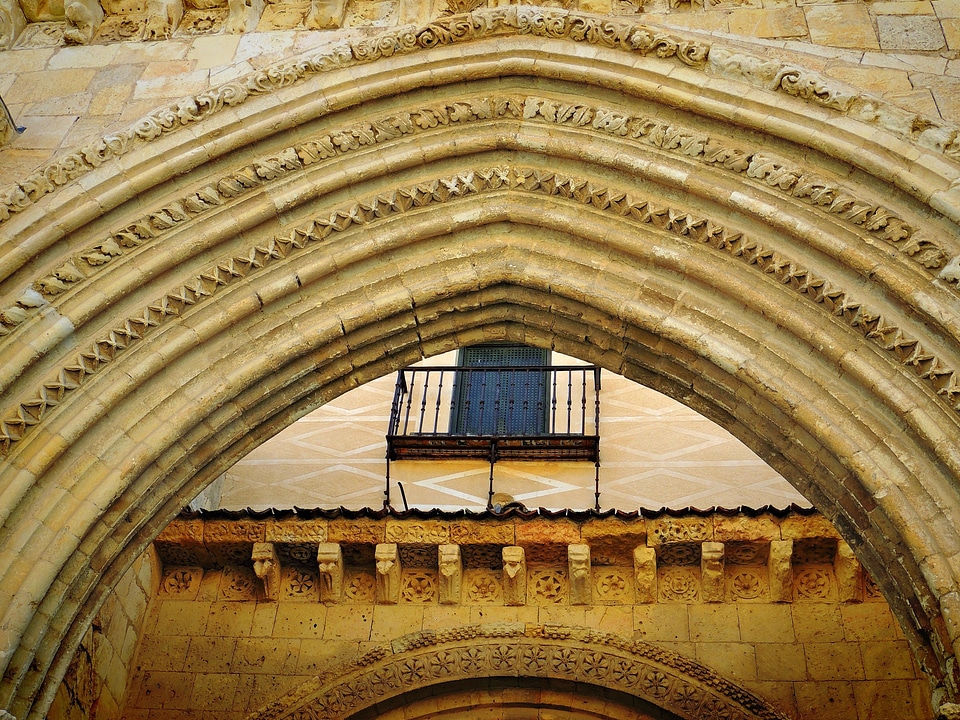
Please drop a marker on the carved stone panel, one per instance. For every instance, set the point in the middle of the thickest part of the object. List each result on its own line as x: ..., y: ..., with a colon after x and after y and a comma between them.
x: 679, y: 584
x: 359, y: 587
x: 483, y: 587
x: 239, y: 584
x: 182, y: 583
x: 300, y: 585
x: 546, y: 586
x: 747, y: 583
x: 612, y: 585
x: 815, y: 583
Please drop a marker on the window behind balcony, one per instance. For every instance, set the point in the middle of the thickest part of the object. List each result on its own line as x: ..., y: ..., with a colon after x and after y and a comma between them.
x: 501, y: 401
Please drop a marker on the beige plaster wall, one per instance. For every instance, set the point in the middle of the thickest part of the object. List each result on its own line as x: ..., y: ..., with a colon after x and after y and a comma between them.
x: 96, y: 682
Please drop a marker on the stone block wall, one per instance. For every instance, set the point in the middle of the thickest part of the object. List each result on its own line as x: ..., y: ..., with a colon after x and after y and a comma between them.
x: 96, y: 682
x: 248, y: 609
x: 66, y: 94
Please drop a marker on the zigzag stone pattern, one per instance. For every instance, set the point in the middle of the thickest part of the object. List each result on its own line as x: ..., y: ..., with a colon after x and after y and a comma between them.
x: 776, y: 173
x: 606, y: 32
x: 907, y: 351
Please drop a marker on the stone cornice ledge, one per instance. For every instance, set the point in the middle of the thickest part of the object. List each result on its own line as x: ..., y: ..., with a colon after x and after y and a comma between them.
x: 611, y: 32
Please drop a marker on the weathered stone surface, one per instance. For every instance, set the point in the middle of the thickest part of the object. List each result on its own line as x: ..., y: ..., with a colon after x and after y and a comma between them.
x: 845, y: 25
x: 914, y: 32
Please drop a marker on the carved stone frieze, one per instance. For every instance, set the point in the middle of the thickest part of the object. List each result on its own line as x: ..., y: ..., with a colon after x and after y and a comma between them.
x: 416, y: 662
x: 484, y: 587
x: 547, y: 586
x: 747, y: 583
x: 299, y: 584
x: 360, y: 587
x: 417, y: 586
x: 774, y: 172
x: 908, y: 351
x: 522, y: 20
x: 182, y: 583
x: 679, y: 584
x: 781, y: 577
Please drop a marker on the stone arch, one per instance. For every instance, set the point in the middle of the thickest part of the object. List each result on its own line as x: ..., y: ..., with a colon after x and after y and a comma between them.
x: 783, y: 260
x: 599, y: 674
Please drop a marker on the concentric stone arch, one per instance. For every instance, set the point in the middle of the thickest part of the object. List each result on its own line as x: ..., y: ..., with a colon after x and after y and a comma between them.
x: 424, y: 663
x: 230, y: 264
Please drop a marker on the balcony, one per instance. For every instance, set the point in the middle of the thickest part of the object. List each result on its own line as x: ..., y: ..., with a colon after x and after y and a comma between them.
x: 508, y: 412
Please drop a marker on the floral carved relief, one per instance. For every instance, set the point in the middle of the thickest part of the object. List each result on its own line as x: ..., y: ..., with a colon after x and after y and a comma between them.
x: 360, y: 587
x: 679, y: 584
x: 418, y: 586
x: 548, y: 587
x: 747, y: 584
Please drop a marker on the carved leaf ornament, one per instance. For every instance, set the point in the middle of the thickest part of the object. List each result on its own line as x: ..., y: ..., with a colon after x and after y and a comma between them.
x: 579, y: 655
x: 613, y: 33
x: 908, y: 351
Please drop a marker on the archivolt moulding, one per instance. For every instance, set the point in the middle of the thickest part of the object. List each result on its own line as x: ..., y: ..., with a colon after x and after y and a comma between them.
x: 515, y: 650
x: 892, y: 492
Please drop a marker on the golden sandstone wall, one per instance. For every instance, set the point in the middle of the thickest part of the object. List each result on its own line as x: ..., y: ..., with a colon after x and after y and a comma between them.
x: 905, y: 52
x: 773, y: 603
x: 78, y: 515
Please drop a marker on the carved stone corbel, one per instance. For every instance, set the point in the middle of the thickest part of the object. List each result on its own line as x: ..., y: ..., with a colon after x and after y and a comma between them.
x: 780, y: 566
x: 711, y: 571
x: 581, y: 580
x: 266, y: 566
x: 326, y: 14
x: 849, y: 574
x: 243, y: 16
x: 330, y: 565
x: 514, y: 576
x: 948, y: 711
x: 388, y: 573
x: 84, y: 18
x: 163, y: 17
x: 12, y: 23
x: 451, y: 574
x: 645, y: 573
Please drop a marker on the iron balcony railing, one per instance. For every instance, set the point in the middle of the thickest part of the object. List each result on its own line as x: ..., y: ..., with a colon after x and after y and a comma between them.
x: 493, y: 413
